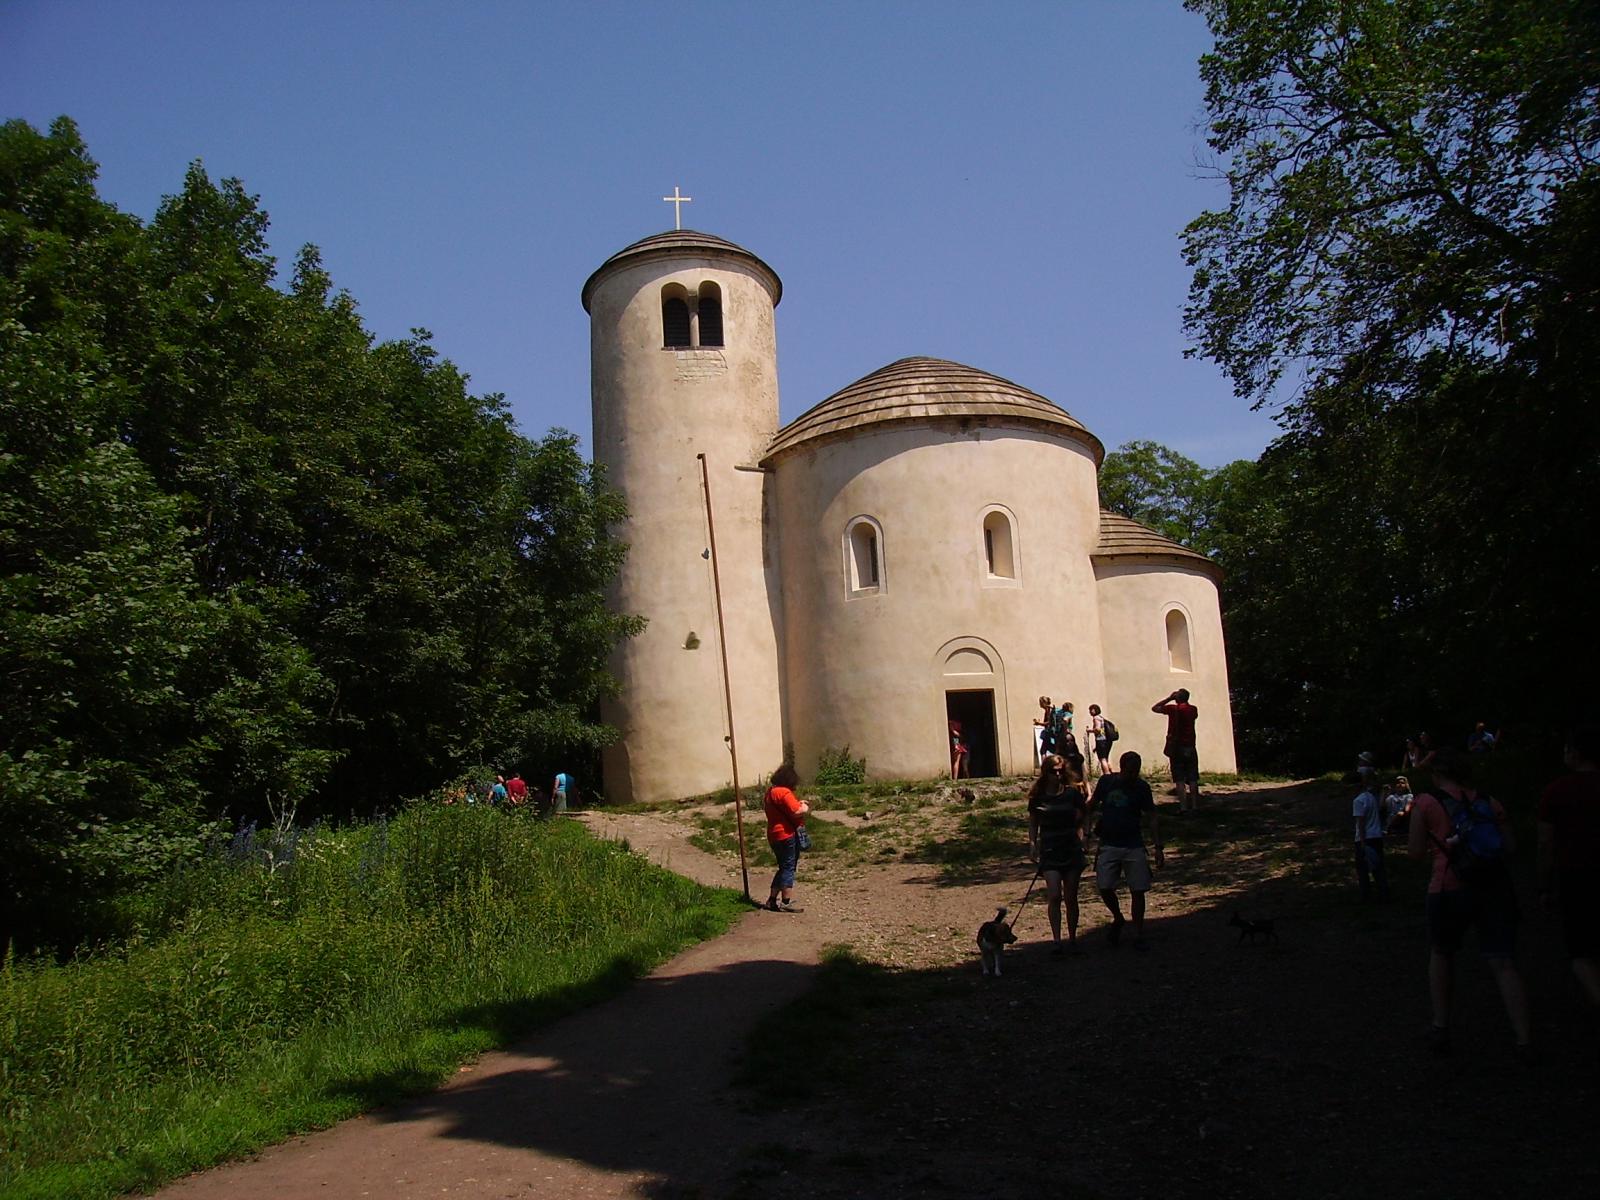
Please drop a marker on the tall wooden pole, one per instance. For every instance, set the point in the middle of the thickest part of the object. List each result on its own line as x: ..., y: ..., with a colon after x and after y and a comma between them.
x: 727, y: 689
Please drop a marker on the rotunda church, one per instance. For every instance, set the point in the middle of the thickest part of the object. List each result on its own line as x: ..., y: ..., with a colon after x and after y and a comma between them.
x: 925, y: 546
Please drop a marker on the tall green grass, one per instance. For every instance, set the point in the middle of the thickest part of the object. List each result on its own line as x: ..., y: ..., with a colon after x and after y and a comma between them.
x: 289, y: 982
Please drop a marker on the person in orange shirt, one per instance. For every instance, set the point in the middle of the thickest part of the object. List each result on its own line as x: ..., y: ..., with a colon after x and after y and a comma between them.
x: 785, y: 816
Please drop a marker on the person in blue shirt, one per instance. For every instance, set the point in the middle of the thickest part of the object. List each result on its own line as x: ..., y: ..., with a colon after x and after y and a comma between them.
x: 560, y: 790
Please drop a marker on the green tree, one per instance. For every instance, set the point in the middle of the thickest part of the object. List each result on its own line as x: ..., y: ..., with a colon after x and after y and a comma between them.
x: 249, y: 558
x: 1408, y: 266
x: 1158, y: 487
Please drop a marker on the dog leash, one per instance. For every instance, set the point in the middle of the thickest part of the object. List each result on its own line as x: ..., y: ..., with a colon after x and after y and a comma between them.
x: 1037, y: 875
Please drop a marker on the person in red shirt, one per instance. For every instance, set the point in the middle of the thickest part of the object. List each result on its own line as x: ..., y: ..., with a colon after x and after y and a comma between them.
x: 1569, y: 834
x: 517, y: 790
x: 1180, y: 750
x: 785, y: 815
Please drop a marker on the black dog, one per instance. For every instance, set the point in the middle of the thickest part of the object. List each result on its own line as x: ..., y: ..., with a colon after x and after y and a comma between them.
x: 1253, y: 929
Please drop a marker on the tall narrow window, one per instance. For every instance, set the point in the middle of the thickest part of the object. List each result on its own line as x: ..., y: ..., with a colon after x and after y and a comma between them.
x: 674, y: 317
x: 1178, y: 655
x: 710, y: 311
x: 999, y: 548
x: 863, y: 557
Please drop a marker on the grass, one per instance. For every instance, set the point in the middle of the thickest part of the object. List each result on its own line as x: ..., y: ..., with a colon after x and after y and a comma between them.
x: 715, y: 835
x: 266, y: 995
x: 983, y: 837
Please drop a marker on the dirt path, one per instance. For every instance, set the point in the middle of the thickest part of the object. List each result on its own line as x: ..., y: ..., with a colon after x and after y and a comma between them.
x: 1198, y: 1068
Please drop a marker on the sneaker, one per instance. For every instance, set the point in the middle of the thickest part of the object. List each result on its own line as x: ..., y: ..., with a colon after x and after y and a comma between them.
x: 1438, y: 1041
x: 772, y: 906
x: 1057, y: 951
x: 789, y: 906
x: 1140, y: 944
x: 1114, y: 936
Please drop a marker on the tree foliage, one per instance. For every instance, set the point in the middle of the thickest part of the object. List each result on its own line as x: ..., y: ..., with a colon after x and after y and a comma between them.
x: 1408, y: 266
x: 1158, y: 487
x: 250, y: 559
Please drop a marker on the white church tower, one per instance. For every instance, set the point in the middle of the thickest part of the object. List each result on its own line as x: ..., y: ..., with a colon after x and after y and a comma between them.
x: 683, y: 360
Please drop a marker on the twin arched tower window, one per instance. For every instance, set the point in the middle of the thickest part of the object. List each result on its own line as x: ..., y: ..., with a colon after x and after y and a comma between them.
x: 691, y: 320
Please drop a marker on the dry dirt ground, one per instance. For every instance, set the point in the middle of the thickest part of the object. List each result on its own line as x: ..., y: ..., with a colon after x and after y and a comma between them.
x: 1198, y: 1067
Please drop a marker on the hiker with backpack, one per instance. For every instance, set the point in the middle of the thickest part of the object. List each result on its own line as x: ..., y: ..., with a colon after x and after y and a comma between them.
x: 1466, y: 835
x: 1045, y: 724
x: 1104, y: 733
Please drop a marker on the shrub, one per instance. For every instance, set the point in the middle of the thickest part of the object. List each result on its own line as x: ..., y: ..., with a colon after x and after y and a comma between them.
x: 836, y: 767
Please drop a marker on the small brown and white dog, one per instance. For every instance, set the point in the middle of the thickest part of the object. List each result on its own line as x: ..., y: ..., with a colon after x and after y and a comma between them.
x: 993, y: 937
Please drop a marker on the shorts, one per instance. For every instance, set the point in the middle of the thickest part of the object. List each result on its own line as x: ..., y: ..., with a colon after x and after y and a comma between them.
x: 1185, y: 762
x: 1491, y: 911
x: 1102, y: 748
x: 1064, y: 860
x: 1580, y: 922
x: 787, y: 852
x: 1114, y: 863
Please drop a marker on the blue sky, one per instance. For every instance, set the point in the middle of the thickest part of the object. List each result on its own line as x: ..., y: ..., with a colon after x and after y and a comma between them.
x: 999, y: 184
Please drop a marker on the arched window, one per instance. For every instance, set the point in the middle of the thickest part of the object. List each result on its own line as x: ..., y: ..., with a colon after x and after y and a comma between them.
x: 674, y: 317
x: 1178, y: 654
x: 999, y: 545
x: 863, y: 548
x: 710, y: 310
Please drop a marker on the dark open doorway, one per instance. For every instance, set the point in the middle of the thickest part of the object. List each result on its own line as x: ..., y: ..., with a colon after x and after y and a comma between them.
x: 974, y: 713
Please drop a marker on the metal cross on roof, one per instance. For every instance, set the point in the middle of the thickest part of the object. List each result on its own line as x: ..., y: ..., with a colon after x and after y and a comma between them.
x: 677, y: 203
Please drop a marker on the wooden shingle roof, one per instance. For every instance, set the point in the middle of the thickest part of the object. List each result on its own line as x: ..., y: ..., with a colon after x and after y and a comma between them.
x: 927, y: 391
x: 676, y: 243
x: 1125, y: 540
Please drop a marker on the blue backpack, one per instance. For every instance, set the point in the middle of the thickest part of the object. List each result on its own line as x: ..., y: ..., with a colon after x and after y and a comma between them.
x: 1480, y: 852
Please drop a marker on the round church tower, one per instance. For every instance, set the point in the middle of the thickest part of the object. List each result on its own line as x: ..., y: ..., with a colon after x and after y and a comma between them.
x: 683, y: 363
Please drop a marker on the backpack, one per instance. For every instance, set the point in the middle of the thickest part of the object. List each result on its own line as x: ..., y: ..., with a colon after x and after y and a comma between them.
x: 1057, y: 724
x: 1109, y: 728
x: 1479, y: 854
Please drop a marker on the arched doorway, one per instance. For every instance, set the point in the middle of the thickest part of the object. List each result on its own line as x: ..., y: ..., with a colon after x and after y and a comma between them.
x: 971, y: 679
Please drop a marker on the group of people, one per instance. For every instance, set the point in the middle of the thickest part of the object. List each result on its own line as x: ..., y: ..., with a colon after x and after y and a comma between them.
x: 514, y: 792
x: 1466, y: 838
x: 1054, y: 733
x: 1420, y: 751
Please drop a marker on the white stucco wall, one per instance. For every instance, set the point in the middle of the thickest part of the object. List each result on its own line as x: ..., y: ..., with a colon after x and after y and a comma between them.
x: 1134, y: 601
x: 870, y: 670
x: 654, y: 410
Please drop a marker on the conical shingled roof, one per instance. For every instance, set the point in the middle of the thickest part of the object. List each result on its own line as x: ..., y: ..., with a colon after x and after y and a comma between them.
x: 1124, y: 538
x: 925, y: 390
x: 675, y: 242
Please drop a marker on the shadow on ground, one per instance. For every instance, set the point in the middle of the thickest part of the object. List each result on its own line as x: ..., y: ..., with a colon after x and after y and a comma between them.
x: 1199, y: 1067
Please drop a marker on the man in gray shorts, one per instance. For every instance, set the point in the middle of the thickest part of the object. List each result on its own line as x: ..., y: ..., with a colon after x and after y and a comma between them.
x: 1121, y: 801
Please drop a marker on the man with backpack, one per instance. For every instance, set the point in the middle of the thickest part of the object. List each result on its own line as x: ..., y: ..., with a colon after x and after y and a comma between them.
x: 1467, y: 836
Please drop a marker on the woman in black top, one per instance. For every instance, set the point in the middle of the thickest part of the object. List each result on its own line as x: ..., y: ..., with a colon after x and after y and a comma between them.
x: 1055, y: 841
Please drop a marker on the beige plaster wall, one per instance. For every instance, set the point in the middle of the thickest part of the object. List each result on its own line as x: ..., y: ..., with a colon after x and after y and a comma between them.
x: 1134, y: 600
x: 654, y: 410
x: 869, y: 670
